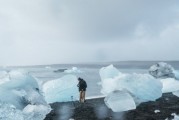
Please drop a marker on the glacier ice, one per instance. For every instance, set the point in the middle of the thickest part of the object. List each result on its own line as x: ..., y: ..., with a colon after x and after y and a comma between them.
x: 162, y: 70
x: 120, y: 101
x: 170, y: 85
x: 73, y: 70
x: 108, y: 72
x: 61, y: 89
x: 35, y: 112
x: 176, y: 72
x: 156, y: 111
x: 176, y: 93
x: 142, y: 87
x: 176, y: 117
x: 167, y: 75
x: 9, y: 112
x: 18, y: 90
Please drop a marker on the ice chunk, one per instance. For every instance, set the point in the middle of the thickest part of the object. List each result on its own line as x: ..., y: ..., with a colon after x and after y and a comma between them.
x: 108, y: 72
x: 142, y: 87
x: 3, y: 74
x: 99, y: 83
x: 9, y: 112
x: 176, y: 117
x: 35, y: 112
x: 109, y: 85
x: 156, y: 111
x: 170, y: 85
x: 30, y: 112
x: 120, y: 101
x: 162, y: 70
x: 61, y: 89
x: 167, y: 75
x: 176, y: 72
x: 19, y: 89
x: 73, y: 70
x: 176, y: 93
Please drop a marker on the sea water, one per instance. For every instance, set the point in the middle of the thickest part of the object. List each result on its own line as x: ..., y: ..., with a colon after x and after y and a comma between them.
x: 89, y: 72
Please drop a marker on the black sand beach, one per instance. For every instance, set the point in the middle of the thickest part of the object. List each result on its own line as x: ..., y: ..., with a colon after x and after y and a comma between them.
x: 95, y: 109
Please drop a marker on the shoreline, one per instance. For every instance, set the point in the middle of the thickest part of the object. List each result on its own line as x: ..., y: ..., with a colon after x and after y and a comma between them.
x: 95, y: 109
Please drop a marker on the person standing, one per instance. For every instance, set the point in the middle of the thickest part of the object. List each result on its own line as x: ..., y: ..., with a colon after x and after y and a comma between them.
x: 82, y: 89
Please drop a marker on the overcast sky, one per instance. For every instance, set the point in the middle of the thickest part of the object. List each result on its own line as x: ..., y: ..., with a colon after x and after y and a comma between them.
x: 74, y: 31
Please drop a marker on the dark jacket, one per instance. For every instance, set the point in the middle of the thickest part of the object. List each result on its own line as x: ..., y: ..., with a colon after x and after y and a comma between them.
x: 82, y: 85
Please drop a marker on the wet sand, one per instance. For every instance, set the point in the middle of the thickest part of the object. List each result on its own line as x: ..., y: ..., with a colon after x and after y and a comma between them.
x: 95, y: 109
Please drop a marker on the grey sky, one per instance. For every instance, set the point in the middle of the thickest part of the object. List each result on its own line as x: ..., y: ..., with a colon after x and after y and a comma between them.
x: 73, y: 31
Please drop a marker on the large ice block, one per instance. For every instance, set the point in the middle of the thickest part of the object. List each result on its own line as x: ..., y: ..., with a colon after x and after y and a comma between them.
x: 18, y: 90
x: 142, y: 87
x: 108, y: 72
x: 62, y: 89
x: 120, y: 101
x: 170, y: 85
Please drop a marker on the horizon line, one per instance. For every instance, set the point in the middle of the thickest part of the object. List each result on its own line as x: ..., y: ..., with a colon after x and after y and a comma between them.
x: 103, y: 62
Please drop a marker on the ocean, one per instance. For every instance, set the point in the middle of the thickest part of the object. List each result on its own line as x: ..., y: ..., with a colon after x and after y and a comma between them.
x: 90, y: 71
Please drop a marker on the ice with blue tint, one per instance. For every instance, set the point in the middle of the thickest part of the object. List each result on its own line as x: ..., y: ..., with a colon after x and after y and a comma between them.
x: 120, y: 101
x: 62, y: 89
x: 170, y: 85
x: 176, y: 72
x: 142, y: 87
x: 18, y: 92
x: 35, y: 112
x: 9, y: 112
x: 167, y: 75
x: 108, y: 72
